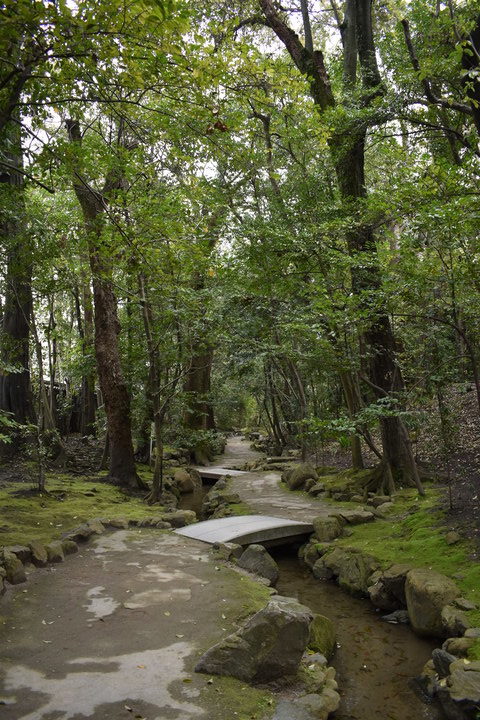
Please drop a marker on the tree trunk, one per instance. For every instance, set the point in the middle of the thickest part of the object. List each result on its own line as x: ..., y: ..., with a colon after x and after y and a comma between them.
x: 122, y: 469
x: 89, y: 399
x: 15, y: 390
x: 199, y: 413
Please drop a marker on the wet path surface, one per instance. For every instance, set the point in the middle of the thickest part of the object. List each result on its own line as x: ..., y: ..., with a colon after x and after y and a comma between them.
x: 118, y: 626
x: 261, y: 491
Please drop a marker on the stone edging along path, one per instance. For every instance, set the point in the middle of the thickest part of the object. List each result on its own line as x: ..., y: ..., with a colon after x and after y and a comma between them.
x: 13, y: 558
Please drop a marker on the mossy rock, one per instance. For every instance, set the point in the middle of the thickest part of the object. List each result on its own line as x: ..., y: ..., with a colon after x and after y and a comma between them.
x: 322, y: 636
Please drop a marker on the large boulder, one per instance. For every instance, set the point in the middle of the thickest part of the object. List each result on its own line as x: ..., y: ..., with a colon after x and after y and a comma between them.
x: 458, y: 646
x: 186, y: 480
x: 14, y: 570
x: 3, y: 577
x: 322, y: 635
x: 22, y: 552
x: 454, y: 621
x: 179, y: 518
x: 55, y: 552
x: 296, y: 477
x: 96, y: 525
x: 327, y: 528
x: 257, y: 560
x: 427, y: 592
x: 352, y: 568
x: 268, y: 646
x: 356, y: 517
x: 460, y: 694
x: 80, y: 534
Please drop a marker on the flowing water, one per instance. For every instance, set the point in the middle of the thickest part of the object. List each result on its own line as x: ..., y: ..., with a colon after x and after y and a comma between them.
x: 374, y: 659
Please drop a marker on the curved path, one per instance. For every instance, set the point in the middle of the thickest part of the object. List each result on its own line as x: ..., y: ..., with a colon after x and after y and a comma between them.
x: 262, y: 492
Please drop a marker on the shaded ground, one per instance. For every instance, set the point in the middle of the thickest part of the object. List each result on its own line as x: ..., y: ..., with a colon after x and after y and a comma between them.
x: 120, y: 633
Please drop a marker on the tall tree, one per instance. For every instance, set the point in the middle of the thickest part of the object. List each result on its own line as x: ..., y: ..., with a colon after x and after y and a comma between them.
x: 107, y: 327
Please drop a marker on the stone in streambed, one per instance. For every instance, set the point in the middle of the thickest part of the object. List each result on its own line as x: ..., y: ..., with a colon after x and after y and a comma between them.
x: 441, y: 661
x: 257, y: 560
x: 387, y: 591
x: 327, y: 528
x: 454, y: 621
x: 268, y: 646
x: 352, y: 568
x: 460, y: 695
x: 458, y: 646
x: 322, y: 635
x: 427, y: 592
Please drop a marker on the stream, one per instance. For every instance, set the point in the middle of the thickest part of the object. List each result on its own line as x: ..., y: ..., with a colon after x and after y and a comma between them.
x: 374, y: 659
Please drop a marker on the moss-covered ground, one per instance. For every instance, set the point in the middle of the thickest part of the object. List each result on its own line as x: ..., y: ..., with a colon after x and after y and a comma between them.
x: 69, y: 501
x: 414, y: 533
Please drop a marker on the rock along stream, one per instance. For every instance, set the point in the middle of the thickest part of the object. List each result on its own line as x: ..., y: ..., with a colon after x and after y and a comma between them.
x: 375, y: 660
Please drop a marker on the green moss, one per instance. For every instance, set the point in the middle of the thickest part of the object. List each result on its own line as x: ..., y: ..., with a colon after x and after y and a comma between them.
x: 65, y: 506
x: 240, y: 509
x: 249, y: 703
x: 474, y: 652
x: 415, y: 535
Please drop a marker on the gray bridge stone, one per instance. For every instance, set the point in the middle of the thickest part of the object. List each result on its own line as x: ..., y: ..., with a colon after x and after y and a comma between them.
x: 215, y: 473
x: 247, y: 529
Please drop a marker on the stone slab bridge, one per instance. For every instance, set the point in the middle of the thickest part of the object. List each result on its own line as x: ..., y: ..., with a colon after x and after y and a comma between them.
x: 248, y: 529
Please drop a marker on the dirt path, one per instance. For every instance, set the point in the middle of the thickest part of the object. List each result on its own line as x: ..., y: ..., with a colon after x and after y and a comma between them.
x: 115, y: 631
x: 262, y: 491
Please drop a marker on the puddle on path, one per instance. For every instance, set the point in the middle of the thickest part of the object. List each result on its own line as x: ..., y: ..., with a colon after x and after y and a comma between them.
x: 375, y: 659
x: 144, y: 676
x: 100, y: 606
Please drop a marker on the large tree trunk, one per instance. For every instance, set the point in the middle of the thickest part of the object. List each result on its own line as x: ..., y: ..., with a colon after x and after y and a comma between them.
x: 348, y: 156
x: 107, y: 328
x: 199, y: 413
x: 15, y: 390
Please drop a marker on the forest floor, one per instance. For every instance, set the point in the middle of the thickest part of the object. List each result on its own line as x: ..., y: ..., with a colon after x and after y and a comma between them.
x: 460, y: 500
